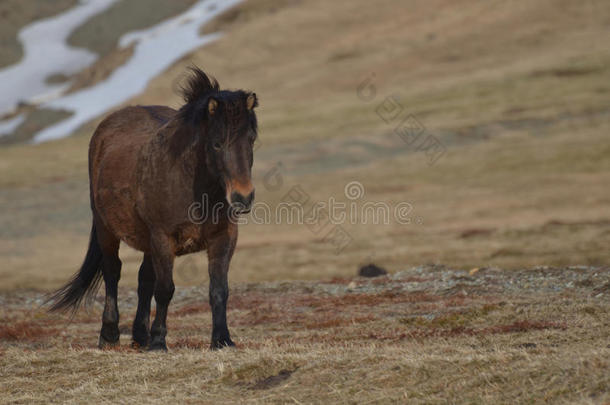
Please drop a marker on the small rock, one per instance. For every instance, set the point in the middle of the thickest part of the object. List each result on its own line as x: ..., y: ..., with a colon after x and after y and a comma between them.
x: 370, y: 270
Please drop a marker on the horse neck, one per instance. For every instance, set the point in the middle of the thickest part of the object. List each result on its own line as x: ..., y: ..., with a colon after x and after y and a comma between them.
x: 204, y: 182
x: 190, y: 161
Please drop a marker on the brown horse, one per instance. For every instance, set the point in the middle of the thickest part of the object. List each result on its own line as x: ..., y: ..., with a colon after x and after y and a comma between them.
x: 148, y: 165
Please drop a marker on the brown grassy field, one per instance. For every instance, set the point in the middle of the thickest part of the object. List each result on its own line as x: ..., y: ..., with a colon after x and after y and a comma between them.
x: 524, y: 118
x: 426, y: 335
x: 518, y: 94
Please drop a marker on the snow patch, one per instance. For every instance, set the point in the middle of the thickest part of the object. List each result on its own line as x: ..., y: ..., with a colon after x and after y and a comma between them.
x: 45, y: 52
x: 155, y: 50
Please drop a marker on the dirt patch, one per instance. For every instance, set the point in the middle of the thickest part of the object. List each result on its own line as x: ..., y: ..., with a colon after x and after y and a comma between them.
x: 101, y: 33
x: 36, y: 120
x: 569, y: 71
x: 243, y: 13
x: 472, y: 232
x: 101, y: 69
x: 273, y: 381
x: 57, y: 78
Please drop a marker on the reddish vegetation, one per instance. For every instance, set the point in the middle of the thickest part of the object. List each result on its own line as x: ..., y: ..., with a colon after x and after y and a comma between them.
x: 268, y: 314
x: 24, y: 330
x: 321, y: 316
x: 248, y: 301
x: 333, y: 322
x: 365, y: 299
x: 191, y: 309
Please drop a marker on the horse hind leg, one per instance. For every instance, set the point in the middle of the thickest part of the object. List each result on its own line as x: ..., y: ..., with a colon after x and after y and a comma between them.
x: 162, y: 263
x: 111, y: 270
x: 146, y: 288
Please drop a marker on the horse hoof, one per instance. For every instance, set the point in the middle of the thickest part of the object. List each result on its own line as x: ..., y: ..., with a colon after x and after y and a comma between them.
x: 221, y: 344
x: 157, y: 347
x: 138, y: 342
x: 105, y: 344
x: 137, y: 345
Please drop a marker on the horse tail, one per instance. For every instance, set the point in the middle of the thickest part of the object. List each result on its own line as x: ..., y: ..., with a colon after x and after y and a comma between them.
x: 84, y: 284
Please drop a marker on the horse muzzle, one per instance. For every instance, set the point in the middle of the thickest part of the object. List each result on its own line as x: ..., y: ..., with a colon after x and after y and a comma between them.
x: 242, y: 204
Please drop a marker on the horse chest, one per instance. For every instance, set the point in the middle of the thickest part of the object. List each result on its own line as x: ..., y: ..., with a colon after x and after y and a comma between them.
x: 187, y: 240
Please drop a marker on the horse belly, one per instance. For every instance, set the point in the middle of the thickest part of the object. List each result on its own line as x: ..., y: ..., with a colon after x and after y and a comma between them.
x: 120, y: 217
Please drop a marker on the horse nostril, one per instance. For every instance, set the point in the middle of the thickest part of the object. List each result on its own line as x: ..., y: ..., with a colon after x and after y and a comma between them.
x: 240, y: 201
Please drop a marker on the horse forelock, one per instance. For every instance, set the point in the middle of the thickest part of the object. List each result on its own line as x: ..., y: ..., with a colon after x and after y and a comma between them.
x: 198, y: 85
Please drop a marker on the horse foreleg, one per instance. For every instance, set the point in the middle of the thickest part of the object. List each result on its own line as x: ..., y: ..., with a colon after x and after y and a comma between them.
x: 220, y: 252
x: 162, y: 263
x: 146, y: 288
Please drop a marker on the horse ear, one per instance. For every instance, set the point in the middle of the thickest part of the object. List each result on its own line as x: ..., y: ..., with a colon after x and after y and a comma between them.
x: 212, y: 105
x: 252, y: 101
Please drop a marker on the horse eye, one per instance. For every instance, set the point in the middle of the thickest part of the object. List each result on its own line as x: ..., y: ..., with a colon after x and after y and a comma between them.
x: 217, y: 145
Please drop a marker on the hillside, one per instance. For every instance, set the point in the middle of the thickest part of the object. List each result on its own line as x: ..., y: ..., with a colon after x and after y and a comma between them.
x: 517, y: 101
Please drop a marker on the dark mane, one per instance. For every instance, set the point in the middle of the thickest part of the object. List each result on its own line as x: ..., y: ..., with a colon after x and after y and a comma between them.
x: 198, y: 86
x: 197, y: 91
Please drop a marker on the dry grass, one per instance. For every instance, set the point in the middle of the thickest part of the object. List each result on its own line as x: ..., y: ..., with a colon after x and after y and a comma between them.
x: 308, y: 343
